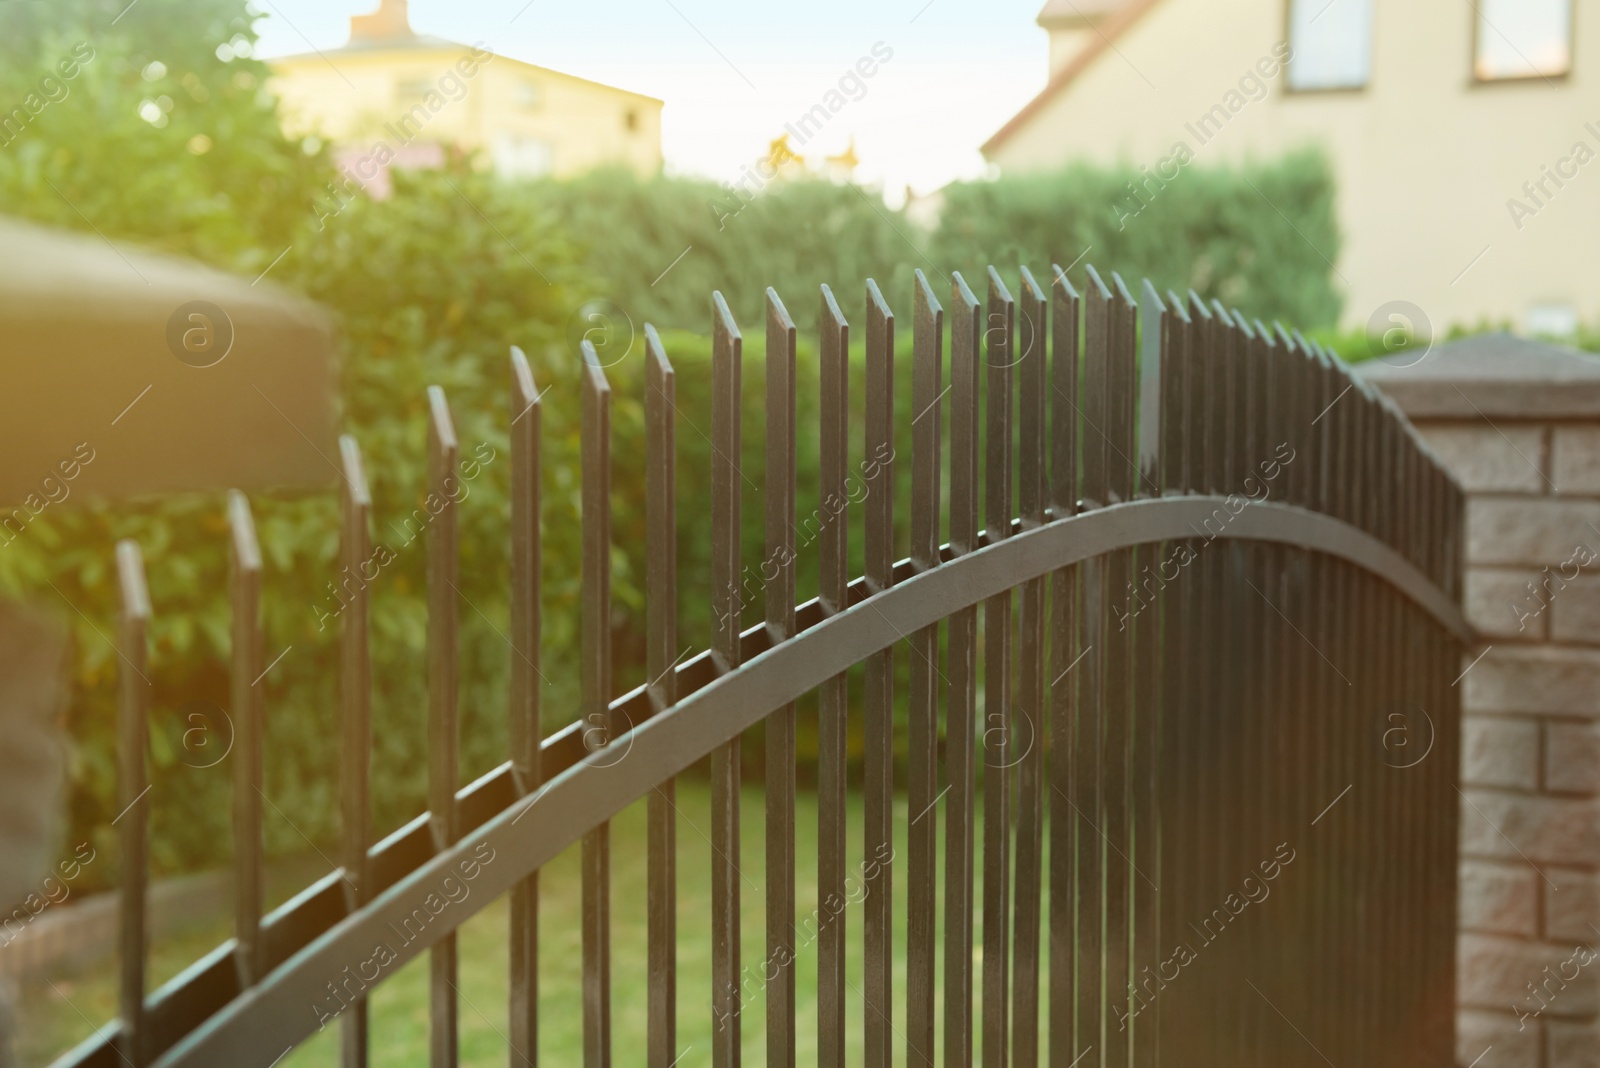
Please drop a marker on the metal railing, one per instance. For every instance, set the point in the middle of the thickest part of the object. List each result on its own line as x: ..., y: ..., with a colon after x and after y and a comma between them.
x: 1237, y: 576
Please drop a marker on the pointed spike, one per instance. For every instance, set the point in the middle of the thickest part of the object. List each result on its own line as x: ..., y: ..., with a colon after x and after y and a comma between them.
x: 131, y: 582
x: 1178, y: 306
x: 1285, y: 339
x: 997, y: 286
x: 1121, y: 289
x: 775, y: 308
x: 524, y: 391
x: 1058, y: 277
x: 876, y: 301
x: 1097, y: 285
x: 440, y: 422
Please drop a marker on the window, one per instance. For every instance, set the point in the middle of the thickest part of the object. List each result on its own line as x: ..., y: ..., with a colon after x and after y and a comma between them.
x: 414, y: 89
x: 1552, y: 320
x: 631, y: 120
x: 1332, y: 42
x: 528, y: 96
x: 1522, y: 39
x: 522, y: 157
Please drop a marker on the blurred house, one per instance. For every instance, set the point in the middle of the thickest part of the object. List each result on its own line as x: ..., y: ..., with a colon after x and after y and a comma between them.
x: 1461, y: 135
x: 392, y: 97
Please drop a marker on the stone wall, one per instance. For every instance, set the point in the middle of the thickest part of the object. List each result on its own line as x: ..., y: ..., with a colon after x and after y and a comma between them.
x: 1519, y: 425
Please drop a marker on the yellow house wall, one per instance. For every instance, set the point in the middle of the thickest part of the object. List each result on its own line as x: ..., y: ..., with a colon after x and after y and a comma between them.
x: 584, y: 124
x: 361, y: 103
x: 1425, y: 160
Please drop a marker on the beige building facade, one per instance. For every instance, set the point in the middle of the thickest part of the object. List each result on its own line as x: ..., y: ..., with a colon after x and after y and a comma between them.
x: 1463, y: 137
x: 392, y: 96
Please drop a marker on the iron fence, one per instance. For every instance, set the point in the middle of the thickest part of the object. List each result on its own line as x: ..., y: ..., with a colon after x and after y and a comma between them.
x: 1215, y: 573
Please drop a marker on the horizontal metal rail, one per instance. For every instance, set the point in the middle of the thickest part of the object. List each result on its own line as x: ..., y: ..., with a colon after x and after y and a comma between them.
x: 203, y: 1017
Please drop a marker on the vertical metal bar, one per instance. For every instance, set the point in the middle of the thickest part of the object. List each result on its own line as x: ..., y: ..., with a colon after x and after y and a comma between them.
x: 661, y: 627
x: 1270, y: 715
x: 526, y: 418
x: 443, y: 730
x: 596, y: 697
x: 244, y: 573
x: 355, y: 716
x: 133, y: 742
x: 1314, y: 462
x: 879, y: 705
x: 726, y: 605
x: 1383, y: 683
x: 1064, y: 649
x: 1089, y: 779
x: 1362, y: 697
x: 1176, y: 806
x: 1118, y: 734
x: 1350, y: 830
x: 780, y: 725
x: 1329, y: 459
x: 1442, y: 886
x: 1147, y: 678
x: 999, y: 342
x: 922, y: 843
x: 1247, y: 632
x: 1444, y: 898
x: 1196, y: 1004
x: 1415, y: 824
x: 1033, y: 368
x: 1294, y: 756
x: 1245, y: 609
x: 833, y: 705
x: 960, y: 712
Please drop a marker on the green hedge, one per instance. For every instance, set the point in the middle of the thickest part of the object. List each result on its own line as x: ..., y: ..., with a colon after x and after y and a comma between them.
x: 792, y: 236
x: 1262, y: 238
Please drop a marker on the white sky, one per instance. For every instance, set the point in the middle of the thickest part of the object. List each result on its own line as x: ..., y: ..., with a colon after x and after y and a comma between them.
x: 732, y: 72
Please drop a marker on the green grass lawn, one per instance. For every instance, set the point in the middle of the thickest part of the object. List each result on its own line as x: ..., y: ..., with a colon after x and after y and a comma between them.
x: 55, y: 1018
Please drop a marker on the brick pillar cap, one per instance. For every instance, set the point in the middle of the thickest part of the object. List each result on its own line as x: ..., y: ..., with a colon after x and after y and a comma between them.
x: 1492, y: 375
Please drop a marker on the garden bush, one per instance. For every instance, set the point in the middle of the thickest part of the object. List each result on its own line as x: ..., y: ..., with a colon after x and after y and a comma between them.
x: 1261, y: 237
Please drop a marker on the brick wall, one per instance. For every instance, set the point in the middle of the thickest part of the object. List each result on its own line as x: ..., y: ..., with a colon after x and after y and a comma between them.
x: 1530, y: 841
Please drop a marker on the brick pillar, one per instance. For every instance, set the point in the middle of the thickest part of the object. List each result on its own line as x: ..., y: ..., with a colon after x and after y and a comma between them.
x: 1519, y: 425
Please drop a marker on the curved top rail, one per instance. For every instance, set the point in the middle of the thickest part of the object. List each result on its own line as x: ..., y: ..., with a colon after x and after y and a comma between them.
x: 284, y: 1007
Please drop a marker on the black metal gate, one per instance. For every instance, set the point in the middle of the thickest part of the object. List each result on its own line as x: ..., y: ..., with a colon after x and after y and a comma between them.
x: 1219, y: 582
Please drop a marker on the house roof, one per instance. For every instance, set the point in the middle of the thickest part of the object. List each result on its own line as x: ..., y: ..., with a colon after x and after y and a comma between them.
x: 1126, y: 15
x: 389, y: 30
x: 1490, y: 376
x: 417, y: 42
